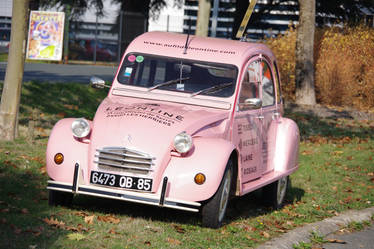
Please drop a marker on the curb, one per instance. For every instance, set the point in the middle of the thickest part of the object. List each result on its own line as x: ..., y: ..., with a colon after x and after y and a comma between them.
x: 324, y: 227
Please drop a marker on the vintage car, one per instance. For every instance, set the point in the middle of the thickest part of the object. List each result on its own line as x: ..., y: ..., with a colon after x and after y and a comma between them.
x: 188, y: 123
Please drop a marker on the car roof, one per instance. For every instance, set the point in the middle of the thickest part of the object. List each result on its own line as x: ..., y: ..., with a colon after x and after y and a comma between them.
x: 199, y: 48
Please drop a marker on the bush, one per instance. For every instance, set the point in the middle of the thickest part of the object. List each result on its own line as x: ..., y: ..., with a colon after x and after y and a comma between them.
x: 344, y: 64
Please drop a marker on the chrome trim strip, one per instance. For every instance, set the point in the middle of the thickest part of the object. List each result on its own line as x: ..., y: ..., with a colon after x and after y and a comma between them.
x: 146, y: 157
x: 123, y: 160
x: 123, y: 166
x: 146, y: 198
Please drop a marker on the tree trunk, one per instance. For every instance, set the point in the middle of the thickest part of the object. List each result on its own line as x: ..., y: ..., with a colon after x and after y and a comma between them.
x: 304, y: 74
x: 203, y: 14
x: 11, y: 94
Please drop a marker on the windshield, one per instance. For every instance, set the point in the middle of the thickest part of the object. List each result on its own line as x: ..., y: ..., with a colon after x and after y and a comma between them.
x: 155, y: 72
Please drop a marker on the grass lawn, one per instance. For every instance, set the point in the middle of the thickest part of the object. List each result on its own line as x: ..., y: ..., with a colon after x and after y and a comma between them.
x: 336, y: 174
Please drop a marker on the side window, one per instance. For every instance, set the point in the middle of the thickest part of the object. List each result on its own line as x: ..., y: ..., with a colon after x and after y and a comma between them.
x: 277, y: 83
x: 251, y: 82
x: 268, y: 94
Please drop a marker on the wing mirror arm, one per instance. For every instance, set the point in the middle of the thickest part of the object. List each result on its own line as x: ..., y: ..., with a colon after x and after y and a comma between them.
x: 96, y: 82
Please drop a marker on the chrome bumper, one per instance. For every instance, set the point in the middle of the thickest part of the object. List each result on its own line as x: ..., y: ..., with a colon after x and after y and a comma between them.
x: 124, y: 195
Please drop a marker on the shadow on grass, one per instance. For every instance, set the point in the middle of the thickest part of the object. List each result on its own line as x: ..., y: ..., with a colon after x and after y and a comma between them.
x: 330, y: 127
x: 23, y: 206
x: 243, y: 207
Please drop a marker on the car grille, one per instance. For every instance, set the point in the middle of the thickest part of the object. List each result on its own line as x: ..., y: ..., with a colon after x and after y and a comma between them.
x: 122, y: 159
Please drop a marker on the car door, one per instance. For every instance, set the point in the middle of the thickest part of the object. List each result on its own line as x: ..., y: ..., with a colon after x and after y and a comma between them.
x: 270, y: 113
x: 247, y: 126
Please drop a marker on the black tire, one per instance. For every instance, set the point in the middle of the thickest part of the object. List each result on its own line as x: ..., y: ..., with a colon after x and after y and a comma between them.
x: 273, y: 195
x: 214, y: 210
x: 57, y: 198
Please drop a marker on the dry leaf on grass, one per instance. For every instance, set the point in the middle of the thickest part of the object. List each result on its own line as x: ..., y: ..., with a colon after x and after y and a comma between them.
x: 24, y: 211
x: 178, y: 228
x: 89, y: 219
x: 54, y: 222
x: 336, y: 241
x: 174, y: 241
x: 109, y: 219
x: 265, y: 234
x: 112, y: 231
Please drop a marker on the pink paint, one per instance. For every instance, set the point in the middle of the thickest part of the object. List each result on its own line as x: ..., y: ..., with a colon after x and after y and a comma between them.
x: 261, y: 143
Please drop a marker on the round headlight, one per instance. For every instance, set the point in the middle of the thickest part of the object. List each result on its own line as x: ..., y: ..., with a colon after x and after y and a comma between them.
x: 183, y: 142
x: 80, y: 127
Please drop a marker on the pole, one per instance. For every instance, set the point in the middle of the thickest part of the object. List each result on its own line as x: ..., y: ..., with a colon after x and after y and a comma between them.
x: 214, y: 18
x: 66, y: 33
x: 95, y: 48
x: 120, y: 37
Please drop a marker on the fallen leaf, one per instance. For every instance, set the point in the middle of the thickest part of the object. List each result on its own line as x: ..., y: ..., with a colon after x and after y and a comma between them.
x: 109, y: 219
x: 80, y: 213
x: 148, y: 243
x: 174, y: 241
x: 265, y: 234
x: 76, y: 236
x: 5, y: 210
x: 112, y: 231
x: 54, y: 222
x: 24, y: 211
x: 336, y: 241
x: 89, y: 219
x: 178, y: 228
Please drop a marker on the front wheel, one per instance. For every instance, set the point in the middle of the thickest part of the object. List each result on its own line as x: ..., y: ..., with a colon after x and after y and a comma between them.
x: 214, y: 210
x: 273, y: 195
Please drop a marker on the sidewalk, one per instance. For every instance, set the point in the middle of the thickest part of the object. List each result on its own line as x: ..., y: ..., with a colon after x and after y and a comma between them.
x: 325, y: 228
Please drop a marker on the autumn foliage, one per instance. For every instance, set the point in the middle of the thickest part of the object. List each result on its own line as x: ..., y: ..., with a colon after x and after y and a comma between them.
x: 344, y: 65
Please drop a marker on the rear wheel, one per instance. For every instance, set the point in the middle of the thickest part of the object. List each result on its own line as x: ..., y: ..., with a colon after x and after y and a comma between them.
x: 273, y: 195
x: 57, y: 198
x: 214, y: 210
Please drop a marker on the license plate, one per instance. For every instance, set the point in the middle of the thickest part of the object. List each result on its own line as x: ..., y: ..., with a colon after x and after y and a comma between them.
x: 128, y: 182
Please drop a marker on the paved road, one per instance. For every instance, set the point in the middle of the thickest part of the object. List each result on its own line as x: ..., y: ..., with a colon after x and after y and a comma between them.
x: 62, y: 73
x: 363, y: 239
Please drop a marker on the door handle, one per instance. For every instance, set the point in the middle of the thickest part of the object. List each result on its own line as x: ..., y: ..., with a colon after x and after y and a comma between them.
x: 276, y: 115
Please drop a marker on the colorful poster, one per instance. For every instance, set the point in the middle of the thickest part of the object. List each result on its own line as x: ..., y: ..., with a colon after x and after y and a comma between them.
x: 46, y: 33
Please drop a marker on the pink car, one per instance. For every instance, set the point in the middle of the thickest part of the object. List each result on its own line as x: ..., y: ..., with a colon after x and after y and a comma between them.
x: 188, y: 123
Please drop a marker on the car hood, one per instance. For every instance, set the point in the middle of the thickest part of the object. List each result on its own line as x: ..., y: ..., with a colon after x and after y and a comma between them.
x: 148, y: 127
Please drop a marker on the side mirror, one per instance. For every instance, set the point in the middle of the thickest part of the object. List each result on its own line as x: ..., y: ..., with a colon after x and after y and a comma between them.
x: 97, y: 82
x: 251, y: 103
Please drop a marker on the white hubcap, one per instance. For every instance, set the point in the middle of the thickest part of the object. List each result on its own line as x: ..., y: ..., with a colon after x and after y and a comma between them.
x: 224, y: 196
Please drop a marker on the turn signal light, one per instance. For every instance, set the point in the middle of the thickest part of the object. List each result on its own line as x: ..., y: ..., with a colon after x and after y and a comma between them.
x: 199, y: 178
x: 59, y: 158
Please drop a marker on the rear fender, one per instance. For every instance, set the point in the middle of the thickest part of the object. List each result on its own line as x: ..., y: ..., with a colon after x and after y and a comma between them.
x: 208, y: 156
x: 75, y: 151
x: 287, y: 146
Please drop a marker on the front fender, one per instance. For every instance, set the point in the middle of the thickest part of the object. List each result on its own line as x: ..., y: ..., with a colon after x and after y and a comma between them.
x: 209, y: 156
x: 62, y: 141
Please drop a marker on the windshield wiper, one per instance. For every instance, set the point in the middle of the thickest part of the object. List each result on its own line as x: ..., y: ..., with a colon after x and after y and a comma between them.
x: 212, y: 89
x: 170, y: 82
